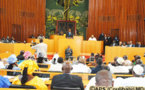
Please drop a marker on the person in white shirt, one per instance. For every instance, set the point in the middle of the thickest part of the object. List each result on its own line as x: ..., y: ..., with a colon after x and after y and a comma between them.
x: 55, y: 57
x: 102, y: 78
x: 92, y: 38
x: 81, y: 67
x: 57, y: 67
x: 137, y: 81
x: 120, y: 68
x: 2, y: 66
x: 41, y: 48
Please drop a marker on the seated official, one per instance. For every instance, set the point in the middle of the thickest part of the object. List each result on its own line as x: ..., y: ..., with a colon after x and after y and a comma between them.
x: 57, y: 67
x: 27, y: 78
x: 40, y: 36
x: 92, y: 38
x: 68, y: 53
x: 119, y: 68
x: 81, y: 66
x: 69, y: 34
x: 126, y: 61
x: 99, y: 66
x: 12, y: 60
x: 138, y: 44
x: 21, y: 57
x: 66, y: 79
x: 130, y: 44
x: 103, y: 78
x: 4, y: 82
x: 137, y: 81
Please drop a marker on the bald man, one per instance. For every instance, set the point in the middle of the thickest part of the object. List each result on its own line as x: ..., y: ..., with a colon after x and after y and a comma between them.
x: 67, y: 80
x: 102, y: 78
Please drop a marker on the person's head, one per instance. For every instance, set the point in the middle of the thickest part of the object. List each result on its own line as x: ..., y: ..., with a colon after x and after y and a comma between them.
x: 124, y: 43
x: 130, y: 42
x: 120, y: 61
x: 92, y: 54
x: 12, y: 59
x: 69, y: 30
x: 103, y: 78
x: 125, y: 57
x: 27, y: 54
x: 115, y: 59
x: 137, y: 57
x: 139, y: 61
x: 60, y: 60
x: 82, y: 60
x: 137, y: 70
x: 66, y: 68
x: 22, y: 52
x: 41, y: 40
x: 99, y: 61
x: 68, y: 47
x: 92, y: 36
x: 120, y: 42
x: 139, y: 43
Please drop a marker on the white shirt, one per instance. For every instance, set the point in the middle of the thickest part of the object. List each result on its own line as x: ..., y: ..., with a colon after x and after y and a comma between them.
x: 41, y: 48
x: 2, y: 65
x: 131, y: 81
x: 92, y: 82
x: 80, y: 68
x: 56, y: 67
x: 119, y: 69
x: 93, y: 39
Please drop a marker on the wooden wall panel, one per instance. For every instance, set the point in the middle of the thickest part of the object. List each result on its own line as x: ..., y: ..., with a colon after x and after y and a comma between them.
x: 26, y: 16
x: 125, y: 15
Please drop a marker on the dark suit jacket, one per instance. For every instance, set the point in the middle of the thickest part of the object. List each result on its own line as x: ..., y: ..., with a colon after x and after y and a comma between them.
x: 67, y: 80
x: 69, y: 35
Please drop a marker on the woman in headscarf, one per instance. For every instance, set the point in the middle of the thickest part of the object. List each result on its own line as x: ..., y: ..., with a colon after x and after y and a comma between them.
x: 27, y: 54
x: 27, y: 78
x: 12, y: 60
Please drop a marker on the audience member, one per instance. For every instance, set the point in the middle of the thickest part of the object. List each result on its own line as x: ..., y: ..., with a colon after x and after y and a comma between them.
x: 66, y: 79
x: 92, y: 38
x: 119, y: 68
x: 57, y: 67
x: 21, y: 57
x: 41, y: 48
x: 68, y: 53
x: 99, y: 65
x: 120, y: 43
x: 27, y: 54
x: 126, y: 61
x: 81, y: 66
x: 103, y: 78
x: 114, y: 43
x: 27, y: 78
x: 12, y: 60
x: 115, y: 62
x: 136, y: 81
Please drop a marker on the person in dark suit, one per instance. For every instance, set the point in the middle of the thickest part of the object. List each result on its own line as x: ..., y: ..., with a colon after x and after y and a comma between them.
x: 130, y: 44
x: 99, y: 66
x: 101, y: 37
x: 67, y: 80
x: 68, y: 53
x: 138, y: 44
x: 69, y: 34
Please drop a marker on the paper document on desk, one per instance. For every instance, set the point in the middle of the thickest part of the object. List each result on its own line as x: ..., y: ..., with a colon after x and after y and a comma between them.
x: 45, y: 79
x: 9, y: 77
